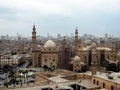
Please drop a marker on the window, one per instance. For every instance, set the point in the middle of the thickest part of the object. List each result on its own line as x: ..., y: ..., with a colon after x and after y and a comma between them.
x: 85, y: 59
x: 112, y: 88
x: 76, y: 64
x: 103, y: 85
x: 97, y: 83
x: 53, y: 60
x: 51, y: 64
x: 94, y: 81
x: 45, y: 60
x: 94, y: 62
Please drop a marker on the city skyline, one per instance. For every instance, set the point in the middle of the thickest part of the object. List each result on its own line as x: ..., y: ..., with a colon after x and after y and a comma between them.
x: 95, y: 17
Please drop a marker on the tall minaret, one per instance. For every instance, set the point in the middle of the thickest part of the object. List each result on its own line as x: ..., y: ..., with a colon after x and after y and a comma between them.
x: 64, y: 41
x: 76, y: 42
x: 76, y: 37
x: 94, y: 62
x: 33, y: 46
x: 33, y: 38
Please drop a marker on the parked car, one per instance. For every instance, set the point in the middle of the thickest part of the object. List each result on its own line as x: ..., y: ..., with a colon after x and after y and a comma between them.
x: 1, y: 72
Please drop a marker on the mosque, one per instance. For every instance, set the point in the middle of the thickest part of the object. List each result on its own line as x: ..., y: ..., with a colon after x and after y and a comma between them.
x: 50, y: 54
x: 55, y: 56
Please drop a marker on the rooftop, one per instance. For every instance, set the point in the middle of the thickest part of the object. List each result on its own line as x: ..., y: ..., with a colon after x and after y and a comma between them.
x: 57, y: 79
x: 115, y: 77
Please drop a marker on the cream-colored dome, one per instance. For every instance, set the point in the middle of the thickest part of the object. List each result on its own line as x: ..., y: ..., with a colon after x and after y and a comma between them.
x: 49, y: 44
x: 76, y: 58
x: 94, y: 45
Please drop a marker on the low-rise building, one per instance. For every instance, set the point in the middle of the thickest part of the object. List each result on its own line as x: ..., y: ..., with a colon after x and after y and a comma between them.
x: 109, y: 81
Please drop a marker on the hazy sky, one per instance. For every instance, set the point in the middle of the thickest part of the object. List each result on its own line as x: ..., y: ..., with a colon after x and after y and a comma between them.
x: 60, y: 16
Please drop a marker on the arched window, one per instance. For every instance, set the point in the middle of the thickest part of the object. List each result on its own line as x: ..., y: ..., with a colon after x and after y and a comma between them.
x: 94, y: 81
x: 97, y: 82
x: 103, y: 85
x: 45, y: 60
x: 53, y: 60
x: 53, y: 66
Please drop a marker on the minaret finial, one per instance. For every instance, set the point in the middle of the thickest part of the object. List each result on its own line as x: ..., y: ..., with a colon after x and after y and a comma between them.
x: 34, y: 27
x: 76, y: 30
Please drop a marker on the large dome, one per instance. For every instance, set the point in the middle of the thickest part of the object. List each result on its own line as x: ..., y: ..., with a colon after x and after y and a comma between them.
x: 49, y: 44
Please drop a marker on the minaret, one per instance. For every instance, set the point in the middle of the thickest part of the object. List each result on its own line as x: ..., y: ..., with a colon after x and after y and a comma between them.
x: 64, y: 41
x: 94, y: 62
x: 33, y: 38
x: 33, y: 46
x: 76, y: 37
x: 76, y: 41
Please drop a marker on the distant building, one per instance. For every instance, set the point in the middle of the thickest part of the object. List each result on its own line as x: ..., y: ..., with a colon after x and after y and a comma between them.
x: 11, y: 60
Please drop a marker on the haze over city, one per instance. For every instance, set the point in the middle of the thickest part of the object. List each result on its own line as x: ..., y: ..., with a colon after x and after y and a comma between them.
x: 95, y: 17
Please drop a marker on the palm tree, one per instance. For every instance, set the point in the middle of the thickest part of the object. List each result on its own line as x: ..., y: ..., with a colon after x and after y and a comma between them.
x: 24, y: 72
x: 20, y: 71
x: 27, y: 76
x: 6, y: 84
x: 12, y: 76
x: 6, y: 70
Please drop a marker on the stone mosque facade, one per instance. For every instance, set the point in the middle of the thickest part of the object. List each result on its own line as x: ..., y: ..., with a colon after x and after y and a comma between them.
x: 46, y: 55
x: 50, y: 54
x: 85, y: 53
x: 55, y: 56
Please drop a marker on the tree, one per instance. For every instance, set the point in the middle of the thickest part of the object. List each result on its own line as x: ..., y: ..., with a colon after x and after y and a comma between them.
x: 6, y: 84
x: 84, y: 68
x: 6, y: 69
x: 118, y: 65
x: 24, y: 73
x: 27, y: 76
x: 105, y: 63
x: 45, y: 67
x: 20, y: 72
x: 12, y: 76
x: 113, y: 67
